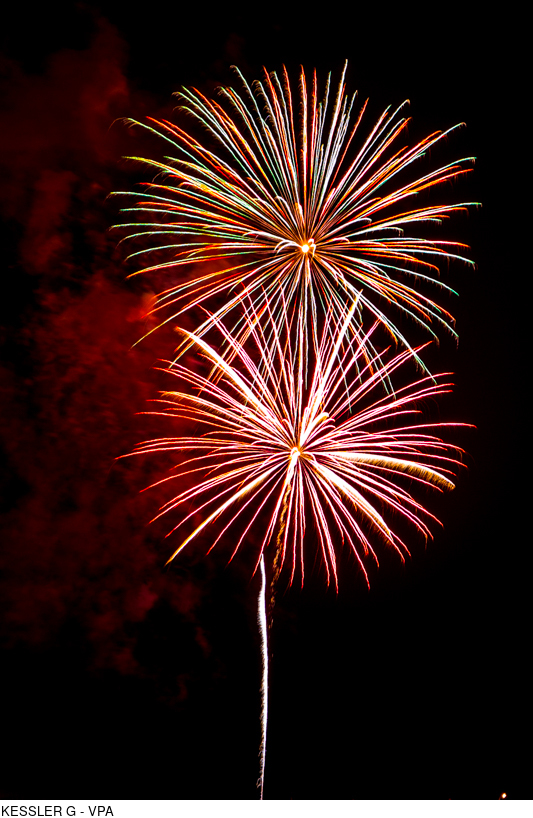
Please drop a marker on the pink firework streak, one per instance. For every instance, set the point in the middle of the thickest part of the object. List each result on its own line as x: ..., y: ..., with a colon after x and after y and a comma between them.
x: 297, y: 445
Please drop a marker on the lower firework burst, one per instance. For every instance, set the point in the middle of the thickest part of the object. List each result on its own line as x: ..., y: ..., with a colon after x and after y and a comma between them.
x: 303, y: 444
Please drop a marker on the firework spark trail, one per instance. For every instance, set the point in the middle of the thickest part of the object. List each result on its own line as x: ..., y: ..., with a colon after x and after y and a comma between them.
x: 263, y: 630
x: 326, y: 447
x: 293, y: 211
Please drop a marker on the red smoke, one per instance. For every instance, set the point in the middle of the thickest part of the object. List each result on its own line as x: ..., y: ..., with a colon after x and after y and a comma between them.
x: 76, y: 545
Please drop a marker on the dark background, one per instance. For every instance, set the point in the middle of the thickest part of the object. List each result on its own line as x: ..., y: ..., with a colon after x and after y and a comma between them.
x: 126, y: 680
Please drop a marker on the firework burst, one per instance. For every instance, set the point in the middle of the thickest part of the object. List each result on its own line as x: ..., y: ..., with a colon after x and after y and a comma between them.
x: 298, y: 230
x: 294, y: 208
x: 322, y: 447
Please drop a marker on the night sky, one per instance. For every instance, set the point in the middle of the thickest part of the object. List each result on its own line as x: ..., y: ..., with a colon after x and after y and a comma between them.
x: 123, y: 679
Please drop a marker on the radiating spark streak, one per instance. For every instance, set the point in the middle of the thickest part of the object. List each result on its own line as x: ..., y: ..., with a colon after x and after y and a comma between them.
x: 328, y: 446
x: 294, y: 210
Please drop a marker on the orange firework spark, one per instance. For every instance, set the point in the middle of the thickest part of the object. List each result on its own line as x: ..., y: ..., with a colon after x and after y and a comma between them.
x: 295, y: 208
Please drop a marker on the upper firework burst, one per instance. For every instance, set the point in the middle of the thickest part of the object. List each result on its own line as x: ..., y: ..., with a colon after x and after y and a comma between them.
x: 296, y: 206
